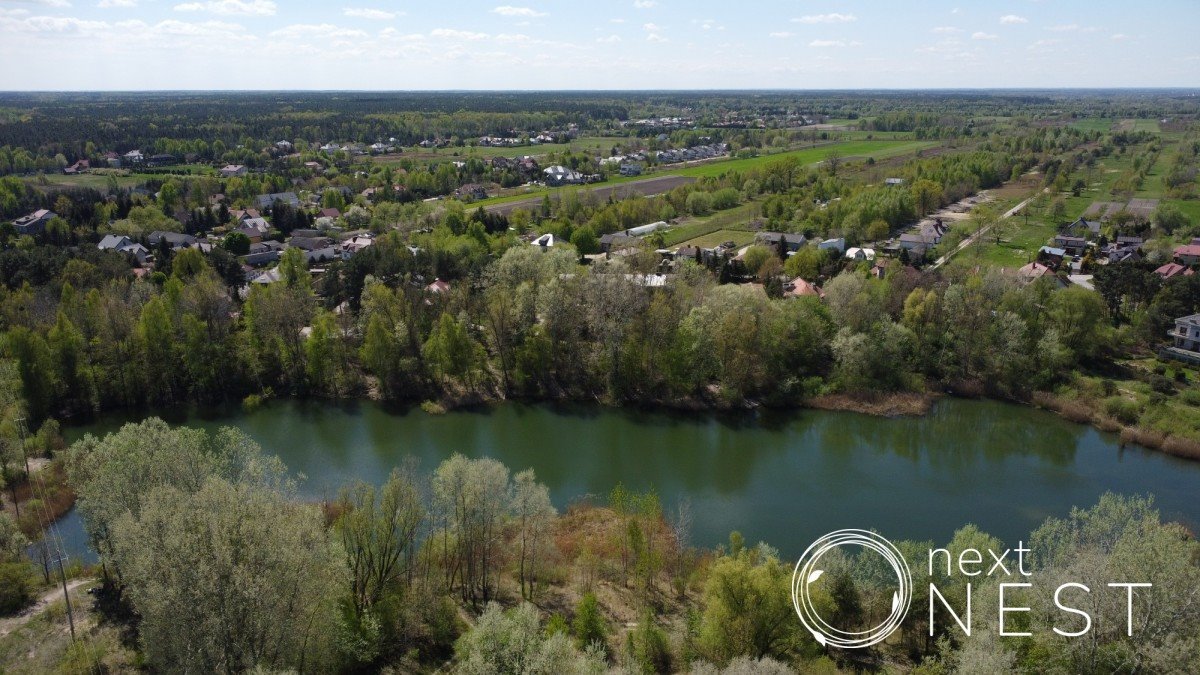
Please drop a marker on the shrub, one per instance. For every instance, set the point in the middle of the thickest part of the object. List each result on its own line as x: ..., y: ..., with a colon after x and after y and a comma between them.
x: 14, y: 587
x: 1122, y: 409
x: 589, y: 626
x: 648, y: 647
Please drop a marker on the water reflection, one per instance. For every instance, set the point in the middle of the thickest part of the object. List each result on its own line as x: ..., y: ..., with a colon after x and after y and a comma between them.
x: 784, y: 477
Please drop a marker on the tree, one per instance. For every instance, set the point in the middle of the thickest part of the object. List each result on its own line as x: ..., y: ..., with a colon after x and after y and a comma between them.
x: 585, y: 242
x: 748, y: 610
x: 588, y: 625
x: 452, y: 354
x: 236, y: 243
x: 1169, y: 218
x: 927, y: 195
x: 471, y: 497
x: 833, y: 160
x: 227, y: 578
x: 533, y: 512
x: 513, y: 643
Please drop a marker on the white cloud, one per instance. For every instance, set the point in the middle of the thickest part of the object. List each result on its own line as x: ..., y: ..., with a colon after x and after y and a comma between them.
x: 369, y: 13
x: 509, y: 10
x: 644, y: 4
x: 980, y: 35
x: 453, y: 34
x: 653, y: 28
x: 1013, y: 18
x: 655, y: 37
x: 51, y: 3
x: 1120, y: 36
x: 825, y: 18
x: 946, y: 30
x: 112, y: 4
x: 231, y: 7
x: 782, y: 34
x: 611, y: 39
x: 833, y: 43
x: 616, y: 20
x: 326, y: 30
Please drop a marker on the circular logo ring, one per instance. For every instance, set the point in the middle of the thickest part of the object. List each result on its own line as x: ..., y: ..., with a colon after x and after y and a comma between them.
x: 806, y: 572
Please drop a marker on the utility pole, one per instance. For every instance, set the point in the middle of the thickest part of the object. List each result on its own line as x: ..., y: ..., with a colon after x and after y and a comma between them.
x: 66, y: 595
x: 24, y: 452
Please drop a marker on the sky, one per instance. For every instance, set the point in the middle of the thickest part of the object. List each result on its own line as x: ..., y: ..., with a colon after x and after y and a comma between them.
x: 617, y: 44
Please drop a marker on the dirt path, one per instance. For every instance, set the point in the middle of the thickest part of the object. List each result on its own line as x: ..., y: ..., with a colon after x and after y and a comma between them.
x: 980, y: 233
x: 10, y: 624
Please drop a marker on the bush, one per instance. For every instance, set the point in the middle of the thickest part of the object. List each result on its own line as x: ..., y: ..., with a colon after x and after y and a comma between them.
x: 648, y: 647
x: 15, y: 591
x: 1122, y: 409
x: 589, y: 626
x: 1162, y: 385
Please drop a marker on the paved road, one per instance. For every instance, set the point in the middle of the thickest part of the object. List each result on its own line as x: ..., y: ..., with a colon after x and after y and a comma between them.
x: 649, y: 186
x: 981, y: 232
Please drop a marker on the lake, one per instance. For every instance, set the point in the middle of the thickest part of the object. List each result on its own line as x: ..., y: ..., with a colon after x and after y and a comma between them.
x: 781, y: 477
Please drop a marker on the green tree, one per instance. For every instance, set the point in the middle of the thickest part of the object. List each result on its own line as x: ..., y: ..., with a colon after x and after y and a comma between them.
x: 588, y: 625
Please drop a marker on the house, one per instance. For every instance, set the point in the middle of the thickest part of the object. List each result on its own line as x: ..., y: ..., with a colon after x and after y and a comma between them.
x: 329, y: 213
x: 1070, y: 244
x: 255, y: 229
x: 1186, y: 339
x: 1034, y: 271
x: 356, y: 243
x: 1188, y: 254
x: 799, y: 288
x: 133, y: 157
x: 1171, y: 270
x: 616, y: 241
x: 233, y: 171
x: 314, y: 166
x: 1051, y: 256
x: 263, y: 252
x: 793, y: 242
x: 324, y: 254
x: 283, y: 146
x: 175, y: 240
x: 270, y: 276
x: 838, y: 245
x: 630, y: 169
x: 857, y: 253
x: 122, y: 244
x: 1082, y: 228
x: 545, y: 241
x: 893, y: 181
x: 34, y: 223
x: 561, y: 175
x: 161, y: 159
x: 77, y: 168
x: 438, y: 287
x: 310, y: 243
x: 472, y: 191
x: 267, y: 201
x: 918, y: 243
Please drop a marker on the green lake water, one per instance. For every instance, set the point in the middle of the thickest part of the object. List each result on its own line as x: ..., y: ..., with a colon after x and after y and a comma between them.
x: 780, y: 477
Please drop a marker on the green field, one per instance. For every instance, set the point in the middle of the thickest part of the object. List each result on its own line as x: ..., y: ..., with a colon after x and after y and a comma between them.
x: 738, y: 237
x: 848, y: 150
x: 94, y: 181
x: 1093, y: 124
x: 598, y: 145
x: 692, y: 229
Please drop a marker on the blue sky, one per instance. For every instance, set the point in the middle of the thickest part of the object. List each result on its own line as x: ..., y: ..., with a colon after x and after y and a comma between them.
x: 623, y: 44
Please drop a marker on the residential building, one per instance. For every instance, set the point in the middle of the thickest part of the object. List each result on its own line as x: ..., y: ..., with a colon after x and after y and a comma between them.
x: 1070, y: 244
x: 1185, y: 338
x: 176, y: 240
x: 561, y: 175
x: 1188, y: 254
x: 34, y: 223
x: 772, y: 239
x: 267, y: 201
x: 233, y: 171
x: 1171, y: 270
x: 123, y: 244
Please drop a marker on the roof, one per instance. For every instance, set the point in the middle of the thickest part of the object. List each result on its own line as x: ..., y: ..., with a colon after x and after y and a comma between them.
x: 1050, y: 250
x: 1194, y: 319
x: 1034, y: 270
x: 798, y: 287
x: 1188, y: 249
x: 438, y: 286
x: 1173, y: 270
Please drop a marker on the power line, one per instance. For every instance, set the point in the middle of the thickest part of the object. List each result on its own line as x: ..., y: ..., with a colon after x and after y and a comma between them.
x: 38, y: 485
